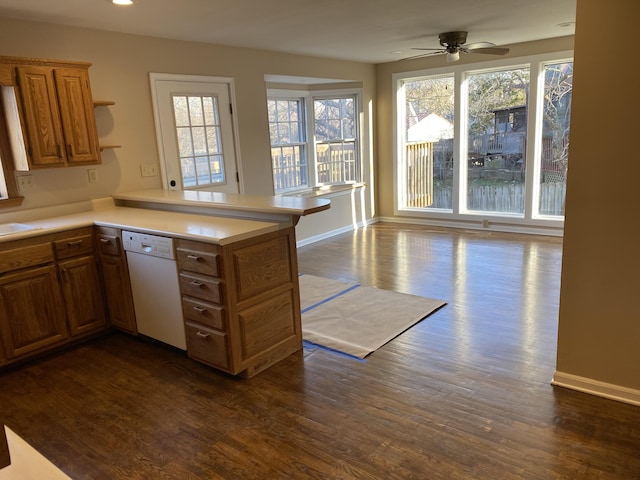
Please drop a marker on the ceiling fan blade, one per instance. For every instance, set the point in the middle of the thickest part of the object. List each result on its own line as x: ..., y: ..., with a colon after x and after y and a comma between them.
x: 491, y: 50
x: 474, y: 45
x: 434, y: 49
x: 439, y: 52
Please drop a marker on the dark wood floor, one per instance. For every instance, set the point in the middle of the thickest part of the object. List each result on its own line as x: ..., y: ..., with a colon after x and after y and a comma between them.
x: 464, y: 394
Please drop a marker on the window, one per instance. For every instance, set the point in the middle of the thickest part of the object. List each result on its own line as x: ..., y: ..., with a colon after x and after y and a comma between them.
x: 497, y: 139
x: 199, y: 140
x: 288, y: 143
x: 335, y: 140
x: 428, y: 154
x: 558, y: 83
x: 331, y: 158
x: 485, y: 145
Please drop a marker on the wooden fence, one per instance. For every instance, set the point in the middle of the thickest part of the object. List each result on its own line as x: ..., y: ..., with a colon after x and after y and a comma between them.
x: 505, y: 198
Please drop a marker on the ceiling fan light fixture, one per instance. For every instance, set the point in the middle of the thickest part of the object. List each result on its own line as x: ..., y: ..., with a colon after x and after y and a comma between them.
x: 453, y: 56
x: 122, y: 2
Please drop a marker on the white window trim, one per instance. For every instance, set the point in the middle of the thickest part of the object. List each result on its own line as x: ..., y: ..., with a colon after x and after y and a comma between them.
x: 458, y: 216
x: 309, y: 96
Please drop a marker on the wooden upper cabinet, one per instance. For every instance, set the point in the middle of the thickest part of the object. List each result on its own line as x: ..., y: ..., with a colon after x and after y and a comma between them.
x: 57, y: 116
x: 77, y: 114
x: 41, y: 117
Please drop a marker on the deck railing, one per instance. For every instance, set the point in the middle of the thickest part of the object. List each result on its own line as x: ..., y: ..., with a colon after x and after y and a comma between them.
x: 419, y: 168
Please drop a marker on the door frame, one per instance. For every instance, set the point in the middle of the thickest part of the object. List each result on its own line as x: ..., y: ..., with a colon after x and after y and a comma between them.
x: 193, y: 79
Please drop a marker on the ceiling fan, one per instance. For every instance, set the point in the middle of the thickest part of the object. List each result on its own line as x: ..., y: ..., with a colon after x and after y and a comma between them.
x: 454, y: 44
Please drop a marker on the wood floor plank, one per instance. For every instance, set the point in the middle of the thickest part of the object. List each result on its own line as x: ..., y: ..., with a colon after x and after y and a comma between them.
x: 464, y: 394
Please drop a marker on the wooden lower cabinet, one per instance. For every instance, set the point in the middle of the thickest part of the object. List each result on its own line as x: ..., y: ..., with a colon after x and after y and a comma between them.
x: 50, y: 293
x: 115, y: 279
x: 82, y: 295
x: 32, y: 315
x: 241, y: 302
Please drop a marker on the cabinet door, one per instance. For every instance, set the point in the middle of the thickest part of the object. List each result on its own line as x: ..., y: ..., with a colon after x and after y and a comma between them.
x: 78, y: 117
x: 45, y: 142
x: 117, y: 285
x: 32, y: 314
x: 82, y: 295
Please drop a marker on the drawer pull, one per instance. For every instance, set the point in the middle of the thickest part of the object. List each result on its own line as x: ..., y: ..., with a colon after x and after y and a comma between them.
x: 200, y: 310
x: 75, y: 243
x: 105, y: 241
x: 202, y: 334
x: 195, y: 258
x: 197, y: 284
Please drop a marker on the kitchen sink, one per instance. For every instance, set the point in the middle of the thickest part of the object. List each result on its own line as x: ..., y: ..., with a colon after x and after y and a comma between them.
x: 12, y: 228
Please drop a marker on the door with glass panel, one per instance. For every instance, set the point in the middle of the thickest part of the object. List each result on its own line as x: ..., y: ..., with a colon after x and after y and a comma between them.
x: 195, y: 134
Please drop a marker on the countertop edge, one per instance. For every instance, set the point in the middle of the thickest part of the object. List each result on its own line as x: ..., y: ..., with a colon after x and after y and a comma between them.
x: 259, y: 204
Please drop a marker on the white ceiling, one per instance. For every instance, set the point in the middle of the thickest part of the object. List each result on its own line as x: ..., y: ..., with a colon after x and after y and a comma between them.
x: 371, y: 31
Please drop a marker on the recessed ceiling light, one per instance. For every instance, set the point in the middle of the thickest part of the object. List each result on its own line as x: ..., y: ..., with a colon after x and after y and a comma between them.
x: 122, y: 2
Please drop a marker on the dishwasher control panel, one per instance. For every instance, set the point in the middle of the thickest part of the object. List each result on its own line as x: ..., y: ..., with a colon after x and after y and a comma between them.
x: 147, y: 244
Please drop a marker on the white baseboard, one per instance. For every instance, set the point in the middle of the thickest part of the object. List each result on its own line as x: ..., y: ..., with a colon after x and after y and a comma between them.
x: 596, y: 387
x: 476, y: 225
x: 332, y: 233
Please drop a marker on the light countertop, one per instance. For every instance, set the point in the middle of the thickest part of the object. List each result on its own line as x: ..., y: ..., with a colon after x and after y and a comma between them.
x: 253, y: 204
x: 212, y: 229
x: 27, y: 463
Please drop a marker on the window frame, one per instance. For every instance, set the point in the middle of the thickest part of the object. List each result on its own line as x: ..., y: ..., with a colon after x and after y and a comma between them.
x: 309, y: 96
x: 531, y: 221
x: 298, y: 96
x: 8, y: 186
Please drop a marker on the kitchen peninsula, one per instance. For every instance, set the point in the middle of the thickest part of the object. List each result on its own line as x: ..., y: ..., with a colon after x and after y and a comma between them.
x: 235, y: 260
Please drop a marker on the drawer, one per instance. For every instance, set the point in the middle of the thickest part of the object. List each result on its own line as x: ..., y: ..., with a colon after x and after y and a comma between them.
x: 73, y: 246
x: 26, y: 256
x: 203, y: 312
x: 200, y: 286
x: 207, y: 345
x: 109, y: 244
x: 199, y: 261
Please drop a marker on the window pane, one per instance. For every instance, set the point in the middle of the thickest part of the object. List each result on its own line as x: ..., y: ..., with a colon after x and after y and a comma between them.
x: 181, y: 111
x: 428, y: 152
x: 497, y: 137
x: 199, y: 143
x: 558, y: 81
x: 195, y: 111
x: 188, y: 172
x: 217, y: 172
x: 185, y: 145
x: 202, y: 170
x: 289, y: 167
x: 210, y: 109
x: 213, y: 140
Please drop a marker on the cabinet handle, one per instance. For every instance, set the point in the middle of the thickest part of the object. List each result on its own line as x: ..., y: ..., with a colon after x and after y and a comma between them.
x: 200, y: 310
x: 59, y: 151
x: 105, y: 241
x: 197, y: 284
x: 202, y: 334
x: 69, y: 150
x: 75, y: 243
x: 195, y: 258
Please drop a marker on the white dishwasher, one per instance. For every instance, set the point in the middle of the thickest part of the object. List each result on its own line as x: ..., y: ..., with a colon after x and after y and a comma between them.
x: 155, y: 287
